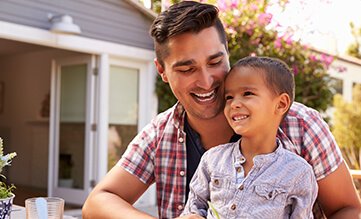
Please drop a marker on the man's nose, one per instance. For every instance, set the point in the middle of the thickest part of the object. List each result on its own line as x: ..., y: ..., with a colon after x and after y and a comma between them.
x: 205, y: 79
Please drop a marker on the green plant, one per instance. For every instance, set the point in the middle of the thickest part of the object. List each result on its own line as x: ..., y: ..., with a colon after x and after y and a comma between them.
x: 5, y: 160
x: 347, y: 127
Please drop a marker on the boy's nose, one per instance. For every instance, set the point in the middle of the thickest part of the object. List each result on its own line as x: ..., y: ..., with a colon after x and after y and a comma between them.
x: 236, y: 103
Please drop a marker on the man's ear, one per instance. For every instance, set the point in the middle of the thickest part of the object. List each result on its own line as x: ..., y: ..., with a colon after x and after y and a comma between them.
x: 160, y: 70
x: 284, y: 103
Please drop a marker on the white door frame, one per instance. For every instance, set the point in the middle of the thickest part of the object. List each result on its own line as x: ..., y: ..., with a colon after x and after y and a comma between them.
x: 75, y: 196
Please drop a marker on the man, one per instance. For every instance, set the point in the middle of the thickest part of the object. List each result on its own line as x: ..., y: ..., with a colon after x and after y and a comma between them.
x: 192, y: 56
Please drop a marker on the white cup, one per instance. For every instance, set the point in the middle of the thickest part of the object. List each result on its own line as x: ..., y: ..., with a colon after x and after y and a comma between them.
x: 53, y: 207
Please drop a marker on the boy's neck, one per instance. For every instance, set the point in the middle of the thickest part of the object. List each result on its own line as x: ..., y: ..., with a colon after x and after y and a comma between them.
x: 213, y: 131
x: 256, y: 145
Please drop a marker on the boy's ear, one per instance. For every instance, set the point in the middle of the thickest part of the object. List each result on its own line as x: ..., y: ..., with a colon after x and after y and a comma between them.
x: 160, y: 70
x: 284, y: 103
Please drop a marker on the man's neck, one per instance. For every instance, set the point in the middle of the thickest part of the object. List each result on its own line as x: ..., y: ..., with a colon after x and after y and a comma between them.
x: 213, y: 131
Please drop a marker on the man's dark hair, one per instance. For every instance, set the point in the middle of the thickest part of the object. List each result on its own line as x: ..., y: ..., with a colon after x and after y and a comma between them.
x: 278, y: 76
x: 184, y: 17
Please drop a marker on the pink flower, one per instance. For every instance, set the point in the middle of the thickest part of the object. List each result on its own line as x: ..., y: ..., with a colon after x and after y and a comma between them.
x: 313, y: 58
x: 264, y: 18
x: 222, y: 5
x: 234, y: 4
x: 278, y: 43
x: 327, y: 60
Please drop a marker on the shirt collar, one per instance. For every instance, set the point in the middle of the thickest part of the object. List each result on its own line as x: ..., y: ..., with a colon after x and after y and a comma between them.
x: 262, y: 159
x: 178, y: 116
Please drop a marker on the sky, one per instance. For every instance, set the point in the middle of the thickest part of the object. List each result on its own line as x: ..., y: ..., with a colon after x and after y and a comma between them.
x: 322, y: 23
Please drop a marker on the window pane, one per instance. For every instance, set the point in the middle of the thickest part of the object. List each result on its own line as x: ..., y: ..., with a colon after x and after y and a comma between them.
x: 123, y: 111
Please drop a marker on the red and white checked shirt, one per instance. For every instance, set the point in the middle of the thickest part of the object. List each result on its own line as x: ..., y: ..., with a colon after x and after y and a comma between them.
x: 158, y: 153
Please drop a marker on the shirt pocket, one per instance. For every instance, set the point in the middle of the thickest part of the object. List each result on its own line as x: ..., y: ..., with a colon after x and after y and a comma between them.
x: 219, y: 187
x: 268, y: 200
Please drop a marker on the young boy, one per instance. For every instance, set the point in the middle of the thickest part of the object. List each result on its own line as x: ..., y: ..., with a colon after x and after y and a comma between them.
x: 256, y: 177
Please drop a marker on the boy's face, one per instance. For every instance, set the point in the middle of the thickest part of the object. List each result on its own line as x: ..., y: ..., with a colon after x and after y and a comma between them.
x: 250, y: 105
x: 195, y: 70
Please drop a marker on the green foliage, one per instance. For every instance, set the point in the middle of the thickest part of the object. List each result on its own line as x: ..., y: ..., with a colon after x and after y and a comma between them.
x: 249, y: 32
x: 6, y: 191
x: 347, y: 127
x: 354, y: 48
x: 5, y: 160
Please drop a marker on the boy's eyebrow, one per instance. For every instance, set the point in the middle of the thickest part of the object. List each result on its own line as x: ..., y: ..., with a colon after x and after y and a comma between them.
x: 241, y: 89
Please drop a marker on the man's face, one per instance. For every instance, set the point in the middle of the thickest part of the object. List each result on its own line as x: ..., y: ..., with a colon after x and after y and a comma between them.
x: 195, y: 70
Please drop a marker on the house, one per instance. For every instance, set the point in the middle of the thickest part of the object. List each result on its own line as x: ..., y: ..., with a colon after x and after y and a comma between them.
x: 76, y: 85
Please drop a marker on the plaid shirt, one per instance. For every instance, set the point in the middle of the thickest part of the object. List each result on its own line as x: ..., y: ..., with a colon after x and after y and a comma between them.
x: 158, y: 153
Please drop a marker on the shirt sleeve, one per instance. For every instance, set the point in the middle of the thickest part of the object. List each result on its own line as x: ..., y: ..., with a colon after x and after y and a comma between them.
x: 198, y: 191
x: 138, y: 159
x: 313, y: 139
x: 304, y: 195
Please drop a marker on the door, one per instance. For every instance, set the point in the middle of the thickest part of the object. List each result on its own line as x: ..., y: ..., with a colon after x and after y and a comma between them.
x: 72, y: 128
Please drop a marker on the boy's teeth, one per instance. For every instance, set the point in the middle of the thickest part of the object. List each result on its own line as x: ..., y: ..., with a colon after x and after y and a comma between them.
x: 237, y: 118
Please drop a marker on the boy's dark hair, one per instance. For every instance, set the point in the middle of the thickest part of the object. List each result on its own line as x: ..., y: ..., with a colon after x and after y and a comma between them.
x: 278, y: 76
x: 184, y: 17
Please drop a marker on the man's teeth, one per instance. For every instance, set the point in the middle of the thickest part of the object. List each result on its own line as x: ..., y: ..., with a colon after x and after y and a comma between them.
x: 206, y: 96
x: 209, y: 94
x: 237, y: 118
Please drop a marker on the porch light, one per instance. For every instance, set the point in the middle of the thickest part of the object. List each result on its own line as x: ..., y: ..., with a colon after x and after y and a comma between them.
x: 63, y: 24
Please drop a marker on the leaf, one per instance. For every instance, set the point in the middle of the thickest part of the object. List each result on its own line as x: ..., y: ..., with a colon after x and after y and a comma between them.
x: 213, y: 209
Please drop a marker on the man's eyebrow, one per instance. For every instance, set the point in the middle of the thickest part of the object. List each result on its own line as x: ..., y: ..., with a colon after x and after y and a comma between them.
x: 182, y: 63
x: 218, y: 54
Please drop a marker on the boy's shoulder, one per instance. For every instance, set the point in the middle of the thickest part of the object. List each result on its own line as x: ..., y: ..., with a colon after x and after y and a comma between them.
x: 293, y: 159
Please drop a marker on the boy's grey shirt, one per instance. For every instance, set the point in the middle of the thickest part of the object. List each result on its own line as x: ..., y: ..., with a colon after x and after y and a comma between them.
x: 279, y: 185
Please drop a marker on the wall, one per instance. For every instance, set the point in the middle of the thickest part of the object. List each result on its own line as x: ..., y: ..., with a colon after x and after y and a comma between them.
x: 27, y: 81
x: 109, y: 20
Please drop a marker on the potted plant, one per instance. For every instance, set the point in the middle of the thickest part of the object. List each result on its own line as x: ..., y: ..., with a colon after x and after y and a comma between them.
x: 6, y: 191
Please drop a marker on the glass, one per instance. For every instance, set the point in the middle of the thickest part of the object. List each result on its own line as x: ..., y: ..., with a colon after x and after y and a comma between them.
x: 54, y: 210
x: 123, y: 110
x: 72, y: 126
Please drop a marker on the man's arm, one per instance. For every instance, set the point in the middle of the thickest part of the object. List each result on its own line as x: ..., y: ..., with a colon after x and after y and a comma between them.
x: 338, y: 196
x: 114, y: 195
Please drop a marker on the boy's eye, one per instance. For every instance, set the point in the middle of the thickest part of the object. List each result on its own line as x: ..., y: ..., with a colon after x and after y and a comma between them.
x: 228, y: 97
x: 247, y: 93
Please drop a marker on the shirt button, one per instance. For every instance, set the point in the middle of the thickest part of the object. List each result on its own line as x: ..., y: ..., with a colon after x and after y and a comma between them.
x: 239, y: 169
x: 241, y: 187
x: 243, y: 159
x: 181, y: 173
x: 233, y: 207
x: 180, y: 207
x: 216, y: 182
x: 181, y: 140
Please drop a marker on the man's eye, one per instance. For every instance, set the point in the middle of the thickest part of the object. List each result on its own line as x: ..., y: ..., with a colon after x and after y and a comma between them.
x: 185, y: 70
x: 247, y: 93
x: 215, y: 63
